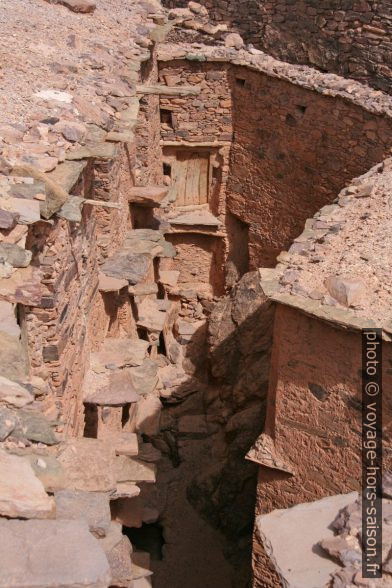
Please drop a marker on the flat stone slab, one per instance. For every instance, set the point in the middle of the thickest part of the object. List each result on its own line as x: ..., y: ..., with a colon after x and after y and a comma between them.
x: 126, y: 490
x: 13, y: 394
x: 88, y: 464
x: 124, y: 443
x: 150, y: 196
x: 21, y: 492
x: 127, y: 265
x: 205, y: 219
x: 168, y: 90
x: 108, y: 284
x: 291, y: 539
x: 129, y: 469
x: 24, y: 286
x: 92, y: 507
x: 119, y: 353
x: 169, y: 277
x: 34, y: 426
x: 117, y: 389
x: 150, y: 316
x: 51, y: 554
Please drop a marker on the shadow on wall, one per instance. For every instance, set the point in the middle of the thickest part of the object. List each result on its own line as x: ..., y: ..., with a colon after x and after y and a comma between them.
x: 223, y: 402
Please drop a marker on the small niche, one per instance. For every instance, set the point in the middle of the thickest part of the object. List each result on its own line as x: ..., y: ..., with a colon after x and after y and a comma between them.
x: 291, y: 121
x: 166, y: 118
x: 240, y: 82
x: 301, y: 109
x: 167, y: 170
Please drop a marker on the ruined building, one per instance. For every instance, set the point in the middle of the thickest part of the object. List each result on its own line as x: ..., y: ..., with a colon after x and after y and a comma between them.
x: 195, y: 227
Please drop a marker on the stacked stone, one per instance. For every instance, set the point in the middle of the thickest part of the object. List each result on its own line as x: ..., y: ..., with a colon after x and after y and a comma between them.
x: 350, y: 39
x: 65, y: 498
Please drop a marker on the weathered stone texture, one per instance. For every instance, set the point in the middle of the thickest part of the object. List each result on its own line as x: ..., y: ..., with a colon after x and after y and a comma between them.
x: 352, y: 39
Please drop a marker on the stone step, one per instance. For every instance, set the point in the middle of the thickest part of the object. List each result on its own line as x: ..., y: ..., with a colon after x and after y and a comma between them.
x: 147, y: 240
x: 39, y: 553
x: 127, y: 265
x: 124, y: 443
x: 149, y: 196
x: 108, y: 284
x: 129, y: 469
x: 119, y: 353
x: 110, y: 388
x: 88, y: 464
x: 125, y: 490
x: 92, y: 507
x: 150, y: 316
x: 200, y: 218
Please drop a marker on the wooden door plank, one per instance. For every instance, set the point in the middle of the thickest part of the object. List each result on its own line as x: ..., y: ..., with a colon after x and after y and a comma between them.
x: 204, y: 179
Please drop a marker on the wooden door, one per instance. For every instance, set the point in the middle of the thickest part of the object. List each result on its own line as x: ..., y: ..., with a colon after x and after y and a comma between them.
x: 191, y: 177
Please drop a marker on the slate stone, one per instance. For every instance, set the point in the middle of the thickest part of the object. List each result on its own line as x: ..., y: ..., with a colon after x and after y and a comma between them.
x: 168, y: 250
x: 145, y: 377
x: 71, y: 210
x: 8, y: 322
x: 51, y: 554
x: 129, y: 469
x: 27, y: 190
x: 119, y: 353
x: 24, y: 287
x: 150, y: 196
x: 92, y: 507
x: 98, y: 151
x: 28, y: 210
x: 13, y: 394
x: 8, y: 219
x: 107, y: 284
x: 290, y: 538
x: 204, y: 218
x: 88, y: 464
x: 34, y: 426
x: 21, y: 493
x: 8, y: 421
x: 48, y: 469
x: 15, y: 255
x: 345, y: 289
x: 128, y: 266
x: 120, y: 563
x: 118, y: 391
x: 124, y: 443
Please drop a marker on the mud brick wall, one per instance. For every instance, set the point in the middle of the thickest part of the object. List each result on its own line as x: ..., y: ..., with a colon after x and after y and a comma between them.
x: 349, y: 37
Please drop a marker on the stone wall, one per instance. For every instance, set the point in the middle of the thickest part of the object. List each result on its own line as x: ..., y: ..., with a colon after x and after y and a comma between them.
x: 292, y: 149
x: 73, y: 320
x: 313, y: 416
x: 352, y: 39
